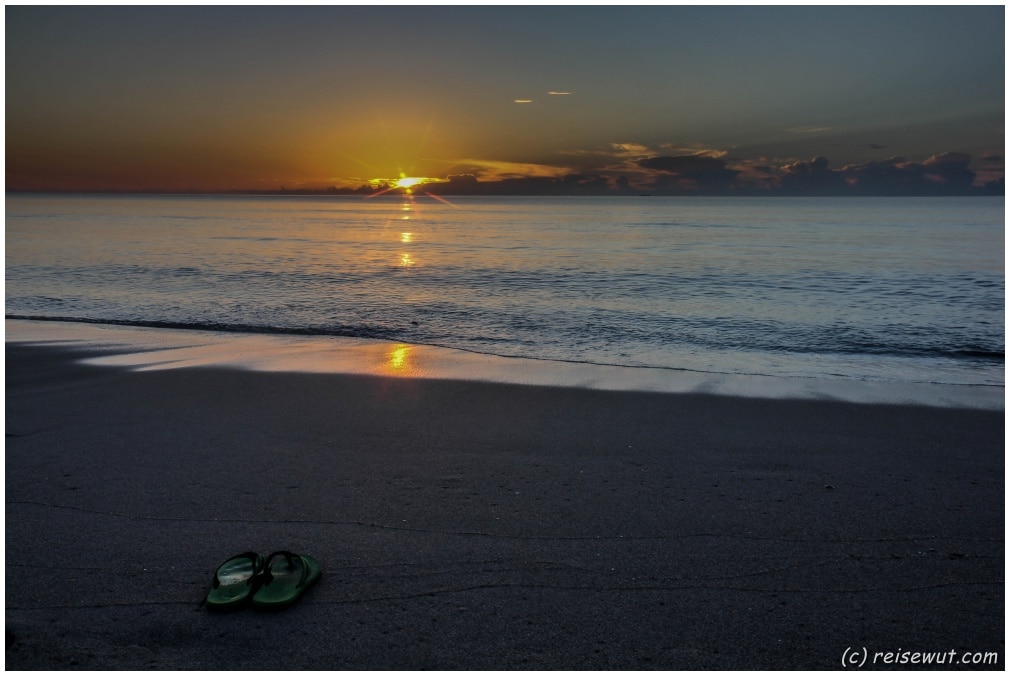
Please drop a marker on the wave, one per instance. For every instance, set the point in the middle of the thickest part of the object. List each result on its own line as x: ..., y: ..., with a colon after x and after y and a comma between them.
x: 341, y: 331
x: 416, y: 336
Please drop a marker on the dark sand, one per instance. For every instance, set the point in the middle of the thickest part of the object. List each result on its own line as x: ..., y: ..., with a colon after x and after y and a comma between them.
x: 479, y: 526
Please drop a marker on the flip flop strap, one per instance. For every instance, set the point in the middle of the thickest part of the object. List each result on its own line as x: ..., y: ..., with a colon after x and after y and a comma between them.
x: 268, y: 576
x: 252, y: 556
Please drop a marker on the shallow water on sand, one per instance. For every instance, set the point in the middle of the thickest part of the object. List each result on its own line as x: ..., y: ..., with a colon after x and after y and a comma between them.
x: 146, y: 349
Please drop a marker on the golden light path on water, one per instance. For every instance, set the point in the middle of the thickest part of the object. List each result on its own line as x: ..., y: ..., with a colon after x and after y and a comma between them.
x: 406, y: 260
x: 148, y: 349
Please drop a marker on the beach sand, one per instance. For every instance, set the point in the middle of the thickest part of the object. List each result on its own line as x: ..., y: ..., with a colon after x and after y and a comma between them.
x: 467, y: 525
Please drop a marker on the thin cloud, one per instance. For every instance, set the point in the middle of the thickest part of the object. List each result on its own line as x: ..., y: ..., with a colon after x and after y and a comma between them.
x: 560, y: 93
x: 633, y: 150
x: 613, y: 150
x: 523, y: 101
x: 497, y: 170
x: 693, y: 149
x: 629, y: 149
x: 807, y: 130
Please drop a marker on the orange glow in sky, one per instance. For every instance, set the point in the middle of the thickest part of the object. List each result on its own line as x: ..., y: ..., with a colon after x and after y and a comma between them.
x: 255, y: 98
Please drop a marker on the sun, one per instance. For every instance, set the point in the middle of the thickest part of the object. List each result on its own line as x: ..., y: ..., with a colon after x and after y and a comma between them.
x: 405, y: 183
x: 408, y: 182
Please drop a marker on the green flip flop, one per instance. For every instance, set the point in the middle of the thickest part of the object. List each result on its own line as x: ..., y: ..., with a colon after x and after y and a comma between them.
x: 235, y: 581
x: 285, y: 578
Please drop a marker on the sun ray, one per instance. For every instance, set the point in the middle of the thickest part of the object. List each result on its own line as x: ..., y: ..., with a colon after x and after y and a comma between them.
x: 438, y: 198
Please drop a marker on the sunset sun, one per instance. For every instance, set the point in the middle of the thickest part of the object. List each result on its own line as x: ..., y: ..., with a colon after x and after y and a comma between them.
x: 407, y: 182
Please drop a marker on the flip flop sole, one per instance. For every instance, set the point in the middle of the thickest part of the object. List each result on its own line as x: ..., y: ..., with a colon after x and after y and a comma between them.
x: 288, y: 583
x: 234, y: 582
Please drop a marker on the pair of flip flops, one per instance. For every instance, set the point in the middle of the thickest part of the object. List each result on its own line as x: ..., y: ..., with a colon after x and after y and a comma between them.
x: 271, y: 583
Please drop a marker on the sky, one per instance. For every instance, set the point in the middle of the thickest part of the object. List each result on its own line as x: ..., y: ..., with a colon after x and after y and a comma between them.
x: 588, y: 99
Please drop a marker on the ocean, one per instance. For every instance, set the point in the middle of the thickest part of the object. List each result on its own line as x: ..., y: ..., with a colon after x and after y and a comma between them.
x: 901, y: 290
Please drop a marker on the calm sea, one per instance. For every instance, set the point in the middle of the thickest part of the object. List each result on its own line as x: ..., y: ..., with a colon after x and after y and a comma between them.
x: 891, y: 289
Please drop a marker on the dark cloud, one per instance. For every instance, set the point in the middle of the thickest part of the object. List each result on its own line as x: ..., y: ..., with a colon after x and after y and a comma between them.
x: 811, y: 178
x: 690, y: 173
x: 683, y: 164
x: 875, y: 146
x: 990, y: 174
x: 944, y: 174
x: 462, y: 180
x: 951, y: 169
x: 947, y: 173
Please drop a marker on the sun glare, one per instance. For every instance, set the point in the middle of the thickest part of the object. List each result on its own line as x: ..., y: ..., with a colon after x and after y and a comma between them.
x: 407, y: 182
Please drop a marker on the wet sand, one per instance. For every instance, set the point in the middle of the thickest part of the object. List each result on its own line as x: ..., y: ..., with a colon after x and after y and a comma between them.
x: 467, y: 525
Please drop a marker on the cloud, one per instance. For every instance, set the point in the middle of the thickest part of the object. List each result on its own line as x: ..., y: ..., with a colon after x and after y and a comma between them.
x: 757, y: 175
x: 807, y: 130
x: 683, y: 164
x: 567, y: 184
x: 630, y: 167
x: 497, y: 170
x: 551, y: 93
x: 813, y: 177
x: 693, y: 149
x: 690, y: 173
x: 629, y: 150
x: 646, y: 168
x: 991, y: 173
x: 942, y: 174
x: 613, y: 150
x: 621, y: 169
x: 638, y: 151
x: 712, y: 172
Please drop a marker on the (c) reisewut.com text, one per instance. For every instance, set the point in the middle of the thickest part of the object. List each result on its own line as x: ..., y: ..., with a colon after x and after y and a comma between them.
x: 859, y: 657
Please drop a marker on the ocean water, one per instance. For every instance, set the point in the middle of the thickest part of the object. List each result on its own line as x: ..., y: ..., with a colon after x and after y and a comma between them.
x: 907, y: 290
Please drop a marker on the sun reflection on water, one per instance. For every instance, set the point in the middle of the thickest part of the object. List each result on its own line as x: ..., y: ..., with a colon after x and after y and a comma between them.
x: 408, y: 208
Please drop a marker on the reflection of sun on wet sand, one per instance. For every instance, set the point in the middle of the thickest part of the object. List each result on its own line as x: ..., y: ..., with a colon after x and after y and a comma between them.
x: 398, y: 359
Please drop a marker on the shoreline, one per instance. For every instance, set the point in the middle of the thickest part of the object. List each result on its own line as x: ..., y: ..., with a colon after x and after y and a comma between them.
x: 473, y: 525
x: 142, y: 348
